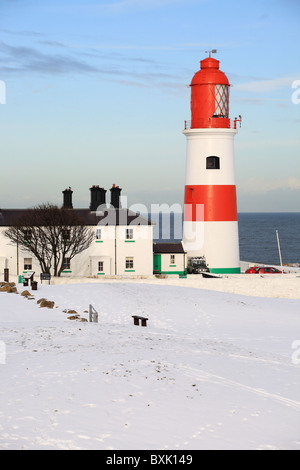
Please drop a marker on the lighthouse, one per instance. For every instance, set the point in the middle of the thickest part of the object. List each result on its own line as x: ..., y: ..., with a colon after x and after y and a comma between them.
x: 210, y: 223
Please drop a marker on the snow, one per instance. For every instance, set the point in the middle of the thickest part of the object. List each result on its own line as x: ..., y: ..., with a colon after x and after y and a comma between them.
x: 215, y: 368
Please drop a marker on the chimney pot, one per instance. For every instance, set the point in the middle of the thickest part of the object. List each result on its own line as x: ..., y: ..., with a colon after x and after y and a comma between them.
x: 68, y: 204
x: 98, y: 197
x: 115, y: 192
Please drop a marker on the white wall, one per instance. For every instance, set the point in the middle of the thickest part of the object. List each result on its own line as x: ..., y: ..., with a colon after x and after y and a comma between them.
x: 8, y: 257
x: 202, y: 143
x: 178, y: 265
x: 140, y: 248
x: 113, y: 241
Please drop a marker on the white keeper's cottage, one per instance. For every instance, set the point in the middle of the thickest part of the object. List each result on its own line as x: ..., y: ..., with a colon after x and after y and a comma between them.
x: 123, y: 243
x: 169, y: 259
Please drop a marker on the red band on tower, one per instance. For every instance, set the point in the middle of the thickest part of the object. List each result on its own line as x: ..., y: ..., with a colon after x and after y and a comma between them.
x: 219, y: 203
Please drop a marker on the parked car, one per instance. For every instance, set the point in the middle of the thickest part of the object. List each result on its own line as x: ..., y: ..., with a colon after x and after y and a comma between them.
x: 260, y: 270
x: 197, y: 265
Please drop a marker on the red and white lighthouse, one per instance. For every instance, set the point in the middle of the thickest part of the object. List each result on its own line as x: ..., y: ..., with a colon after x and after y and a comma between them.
x: 210, y: 226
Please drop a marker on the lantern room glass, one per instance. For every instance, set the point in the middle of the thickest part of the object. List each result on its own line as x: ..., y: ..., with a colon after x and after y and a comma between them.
x: 221, y: 101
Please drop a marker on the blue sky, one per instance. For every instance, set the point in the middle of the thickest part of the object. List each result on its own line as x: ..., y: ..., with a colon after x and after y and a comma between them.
x: 97, y: 93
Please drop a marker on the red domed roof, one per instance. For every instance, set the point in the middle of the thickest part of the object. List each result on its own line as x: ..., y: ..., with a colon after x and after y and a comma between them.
x: 209, y: 73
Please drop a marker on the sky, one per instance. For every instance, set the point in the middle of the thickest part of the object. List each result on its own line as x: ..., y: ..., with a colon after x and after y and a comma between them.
x: 97, y: 92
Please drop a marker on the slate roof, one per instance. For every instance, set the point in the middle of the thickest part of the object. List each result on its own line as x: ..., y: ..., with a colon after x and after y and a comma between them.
x: 168, y: 248
x: 110, y: 216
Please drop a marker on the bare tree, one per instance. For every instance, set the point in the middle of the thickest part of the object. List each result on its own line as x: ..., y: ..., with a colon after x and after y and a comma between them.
x: 52, y: 235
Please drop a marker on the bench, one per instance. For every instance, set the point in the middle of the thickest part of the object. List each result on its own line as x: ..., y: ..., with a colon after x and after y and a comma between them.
x: 45, y: 277
x: 137, y: 318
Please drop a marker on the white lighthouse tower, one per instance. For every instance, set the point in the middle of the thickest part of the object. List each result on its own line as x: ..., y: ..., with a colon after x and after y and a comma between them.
x: 210, y: 227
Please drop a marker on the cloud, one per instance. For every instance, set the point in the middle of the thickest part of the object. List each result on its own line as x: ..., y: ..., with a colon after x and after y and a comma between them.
x: 53, y: 43
x: 265, y: 86
x: 117, y: 67
x: 294, y: 183
x: 263, y: 185
x: 34, y: 34
x: 27, y: 59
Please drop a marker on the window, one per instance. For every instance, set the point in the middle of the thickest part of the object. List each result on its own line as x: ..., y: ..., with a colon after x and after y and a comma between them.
x: 27, y: 264
x: 172, y: 259
x: 27, y: 235
x: 213, y: 163
x: 100, y: 266
x: 66, y: 263
x: 129, y: 234
x: 129, y: 263
x: 98, y: 234
x: 66, y: 235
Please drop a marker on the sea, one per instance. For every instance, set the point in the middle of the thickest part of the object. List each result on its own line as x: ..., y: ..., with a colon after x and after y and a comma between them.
x: 263, y: 237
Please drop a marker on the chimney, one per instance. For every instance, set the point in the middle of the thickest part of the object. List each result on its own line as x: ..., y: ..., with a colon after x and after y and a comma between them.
x: 115, y: 192
x: 68, y: 199
x: 98, y: 197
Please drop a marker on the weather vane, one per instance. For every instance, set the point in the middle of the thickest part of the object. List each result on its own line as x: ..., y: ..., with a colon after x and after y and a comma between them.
x: 212, y: 51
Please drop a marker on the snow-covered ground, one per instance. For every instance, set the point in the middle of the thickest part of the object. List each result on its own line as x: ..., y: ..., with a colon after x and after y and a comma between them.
x: 214, y: 369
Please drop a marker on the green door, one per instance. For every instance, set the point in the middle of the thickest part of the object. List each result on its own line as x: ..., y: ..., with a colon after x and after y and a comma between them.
x: 157, y: 264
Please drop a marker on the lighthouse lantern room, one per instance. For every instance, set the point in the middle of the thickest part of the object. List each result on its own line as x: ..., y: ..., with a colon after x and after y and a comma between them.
x: 210, y: 226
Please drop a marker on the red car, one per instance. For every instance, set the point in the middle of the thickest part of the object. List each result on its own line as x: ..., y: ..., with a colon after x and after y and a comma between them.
x: 259, y: 270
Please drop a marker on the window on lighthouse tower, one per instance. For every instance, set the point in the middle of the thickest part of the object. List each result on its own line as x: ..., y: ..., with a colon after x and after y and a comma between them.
x: 213, y: 163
